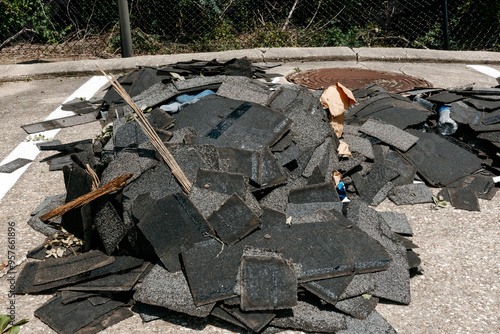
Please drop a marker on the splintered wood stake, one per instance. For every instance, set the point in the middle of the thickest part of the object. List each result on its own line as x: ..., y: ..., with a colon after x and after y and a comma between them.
x: 109, y: 187
x: 151, y: 133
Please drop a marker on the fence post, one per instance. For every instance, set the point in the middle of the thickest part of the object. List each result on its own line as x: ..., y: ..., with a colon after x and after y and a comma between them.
x: 446, y: 31
x: 125, y: 35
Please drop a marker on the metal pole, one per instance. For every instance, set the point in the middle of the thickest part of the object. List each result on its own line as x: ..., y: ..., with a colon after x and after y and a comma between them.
x: 446, y: 31
x: 125, y: 35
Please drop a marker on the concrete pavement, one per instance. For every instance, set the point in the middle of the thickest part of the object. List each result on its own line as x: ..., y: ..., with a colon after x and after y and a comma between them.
x: 359, y: 55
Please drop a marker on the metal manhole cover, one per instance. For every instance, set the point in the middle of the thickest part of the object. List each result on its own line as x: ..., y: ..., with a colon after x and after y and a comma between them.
x: 355, y: 78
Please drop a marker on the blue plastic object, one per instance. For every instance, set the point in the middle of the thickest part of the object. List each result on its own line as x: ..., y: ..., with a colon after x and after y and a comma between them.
x: 187, y: 98
x: 341, y: 190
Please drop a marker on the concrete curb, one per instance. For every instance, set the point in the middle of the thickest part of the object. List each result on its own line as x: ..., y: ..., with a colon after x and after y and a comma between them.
x: 400, y: 55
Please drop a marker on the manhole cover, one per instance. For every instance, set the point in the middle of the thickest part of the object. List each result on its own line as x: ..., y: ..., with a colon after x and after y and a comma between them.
x: 355, y: 78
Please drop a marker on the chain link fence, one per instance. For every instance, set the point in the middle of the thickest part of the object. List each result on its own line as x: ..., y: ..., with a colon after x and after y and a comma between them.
x: 41, y: 28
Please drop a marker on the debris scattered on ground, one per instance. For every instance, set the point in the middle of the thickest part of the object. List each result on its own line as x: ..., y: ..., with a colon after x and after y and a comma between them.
x: 264, y: 238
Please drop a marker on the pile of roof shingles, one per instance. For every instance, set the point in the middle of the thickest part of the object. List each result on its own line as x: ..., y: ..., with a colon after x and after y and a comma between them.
x: 262, y: 240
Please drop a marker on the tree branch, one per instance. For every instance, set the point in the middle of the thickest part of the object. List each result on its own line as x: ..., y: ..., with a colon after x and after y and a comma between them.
x: 16, y: 35
x: 290, y: 15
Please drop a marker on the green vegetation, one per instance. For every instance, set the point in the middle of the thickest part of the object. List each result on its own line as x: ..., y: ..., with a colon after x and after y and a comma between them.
x: 14, y: 328
x: 175, y: 26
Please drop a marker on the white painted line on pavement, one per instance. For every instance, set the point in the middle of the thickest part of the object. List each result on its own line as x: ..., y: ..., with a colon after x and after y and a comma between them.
x: 29, y: 150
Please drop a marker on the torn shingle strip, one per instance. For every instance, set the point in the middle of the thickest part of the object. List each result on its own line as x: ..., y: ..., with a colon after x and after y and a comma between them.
x: 169, y: 290
x: 268, y: 281
x: 389, y: 134
x: 397, y: 222
x: 411, y: 194
x: 57, y: 269
x: 440, y: 161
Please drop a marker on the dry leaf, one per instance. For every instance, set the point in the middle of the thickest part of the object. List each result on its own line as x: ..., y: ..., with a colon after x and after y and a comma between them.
x: 343, y: 148
x: 337, y: 176
x: 337, y: 98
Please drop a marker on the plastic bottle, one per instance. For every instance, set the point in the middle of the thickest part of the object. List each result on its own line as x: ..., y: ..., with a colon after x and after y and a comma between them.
x: 424, y: 103
x: 446, y: 125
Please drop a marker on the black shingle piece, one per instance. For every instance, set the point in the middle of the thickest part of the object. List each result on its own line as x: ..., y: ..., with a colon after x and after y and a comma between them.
x: 150, y: 312
x: 394, y: 283
x: 445, y: 97
x: 212, y: 188
x: 297, y: 210
x: 124, y: 162
x: 170, y: 224
x: 233, y: 220
x: 288, y: 155
x: 223, y: 313
x: 158, y: 181
x: 360, y: 284
x: 413, y: 259
x: 312, y: 318
x: 277, y: 198
x: 267, y: 127
x: 268, y: 281
x: 373, y: 324
x: 310, y: 130
x: 271, y: 172
x: 346, y: 165
x: 160, y: 119
x: 199, y: 83
x: 493, y: 136
x: 323, y: 192
x: 118, y: 282
x: 491, y: 118
x: 109, y: 225
x: 169, y: 290
x: 284, y: 98
x: 211, y: 270
x: 378, y: 179
x: 156, y: 94
x: 248, y: 163
x: 256, y: 320
x: 14, y: 165
x: 68, y: 296
x: 484, y: 104
x: 439, y: 161
x: 407, y: 172
x: 464, y: 113
x: 360, y: 145
x: 245, y: 89
x: 461, y: 198
x: 78, y: 221
x: 73, y: 317
x: 411, y: 194
x: 283, y: 143
x: 358, y: 307
x: 390, y: 108
x: 320, y: 246
x: 389, y: 134
x: 58, y: 269
x: 196, y: 115
x: 484, y: 186
x: 25, y: 281
x: 397, y: 222
x: 142, y: 79
x: 48, y: 204
x: 188, y: 159
x: 59, y: 123
x: 329, y: 289
x: 324, y: 157
x: 108, y: 320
